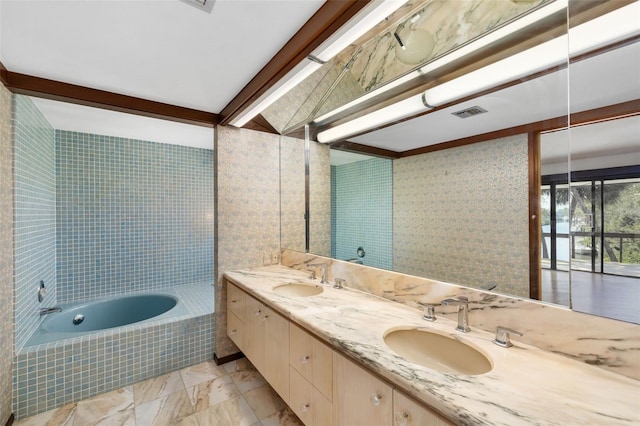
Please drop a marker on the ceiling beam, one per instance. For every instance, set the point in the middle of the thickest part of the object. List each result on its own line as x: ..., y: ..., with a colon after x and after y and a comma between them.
x: 327, y: 20
x: 58, y: 91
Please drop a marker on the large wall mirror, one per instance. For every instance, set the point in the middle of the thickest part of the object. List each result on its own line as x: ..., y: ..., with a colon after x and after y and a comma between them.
x: 454, y: 194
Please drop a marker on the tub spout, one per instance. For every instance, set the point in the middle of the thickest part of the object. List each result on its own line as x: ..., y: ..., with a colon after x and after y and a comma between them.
x: 45, y: 311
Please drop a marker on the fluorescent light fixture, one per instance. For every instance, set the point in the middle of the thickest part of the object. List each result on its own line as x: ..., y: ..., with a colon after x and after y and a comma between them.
x: 357, y: 26
x: 386, y: 115
x: 362, y: 22
x: 481, y: 42
x: 498, y: 34
x: 371, y: 94
x: 602, y: 31
x: 539, y: 58
x: 301, y: 71
x: 615, y: 26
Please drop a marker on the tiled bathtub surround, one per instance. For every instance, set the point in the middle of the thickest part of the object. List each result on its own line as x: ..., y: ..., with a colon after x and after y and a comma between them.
x: 363, y: 211
x: 602, y: 342
x: 59, y: 373
x: 6, y: 253
x: 35, y: 215
x: 132, y: 215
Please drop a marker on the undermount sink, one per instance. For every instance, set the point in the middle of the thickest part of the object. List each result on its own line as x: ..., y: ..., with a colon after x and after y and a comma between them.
x: 295, y: 289
x: 437, y: 351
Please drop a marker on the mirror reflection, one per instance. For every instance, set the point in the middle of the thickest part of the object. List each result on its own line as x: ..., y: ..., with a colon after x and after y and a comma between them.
x: 461, y: 232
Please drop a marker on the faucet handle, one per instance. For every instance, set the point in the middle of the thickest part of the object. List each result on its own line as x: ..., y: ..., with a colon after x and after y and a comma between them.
x: 502, y: 336
x: 339, y: 283
x: 429, y: 311
x: 312, y: 274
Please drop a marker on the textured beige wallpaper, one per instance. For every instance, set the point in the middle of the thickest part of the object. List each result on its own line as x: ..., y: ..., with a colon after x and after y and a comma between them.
x: 248, y: 210
x: 319, y: 200
x: 292, y: 193
x: 461, y: 215
x: 6, y: 255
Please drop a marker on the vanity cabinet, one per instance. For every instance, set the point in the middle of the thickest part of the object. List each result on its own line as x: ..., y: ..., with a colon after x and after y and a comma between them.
x: 407, y: 412
x: 236, y: 302
x: 321, y: 386
x: 261, y: 334
x: 276, y: 356
x: 360, y: 398
x: 254, y: 333
x: 309, y: 404
x: 311, y: 377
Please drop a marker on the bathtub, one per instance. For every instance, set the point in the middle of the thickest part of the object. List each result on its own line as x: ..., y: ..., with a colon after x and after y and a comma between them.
x: 85, y: 318
x: 120, y: 341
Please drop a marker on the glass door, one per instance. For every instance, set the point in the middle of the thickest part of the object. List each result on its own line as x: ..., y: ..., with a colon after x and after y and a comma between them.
x: 585, y: 213
x: 621, y: 226
x: 605, y: 226
x: 555, y: 226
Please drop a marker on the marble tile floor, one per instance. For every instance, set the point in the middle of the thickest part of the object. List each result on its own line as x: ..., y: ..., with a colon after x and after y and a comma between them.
x: 233, y: 394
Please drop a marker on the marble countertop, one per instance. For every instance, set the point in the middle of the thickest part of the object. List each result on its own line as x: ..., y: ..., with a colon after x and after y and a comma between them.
x: 526, y: 385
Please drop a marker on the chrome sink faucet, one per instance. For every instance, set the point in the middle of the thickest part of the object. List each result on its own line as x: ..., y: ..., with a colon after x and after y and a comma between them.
x: 45, y: 311
x: 324, y: 267
x: 463, y: 312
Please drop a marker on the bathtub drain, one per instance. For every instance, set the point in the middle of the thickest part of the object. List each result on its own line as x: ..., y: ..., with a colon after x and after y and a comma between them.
x: 78, y: 319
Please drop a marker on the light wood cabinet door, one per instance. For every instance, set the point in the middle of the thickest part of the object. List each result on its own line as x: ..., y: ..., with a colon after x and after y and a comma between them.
x: 322, y: 415
x: 254, y: 333
x: 236, y: 300
x: 276, y: 352
x: 359, y: 398
x: 407, y: 412
x: 308, y: 403
x: 235, y: 330
x: 312, y: 359
x: 301, y: 397
x: 301, y: 351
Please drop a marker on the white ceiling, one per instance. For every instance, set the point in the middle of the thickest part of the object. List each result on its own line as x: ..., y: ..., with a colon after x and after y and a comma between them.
x: 599, y: 81
x: 78, y: 118
x: 169, y: 51
x: 160, y: 50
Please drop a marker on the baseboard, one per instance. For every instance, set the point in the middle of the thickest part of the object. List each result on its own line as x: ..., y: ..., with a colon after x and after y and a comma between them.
x: 10, y: 420
x: 228, y: 358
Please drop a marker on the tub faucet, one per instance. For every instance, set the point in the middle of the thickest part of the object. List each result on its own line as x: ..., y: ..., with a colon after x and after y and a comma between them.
x: 324, y: 271
x: 463, y: 312
x: 45, y: 311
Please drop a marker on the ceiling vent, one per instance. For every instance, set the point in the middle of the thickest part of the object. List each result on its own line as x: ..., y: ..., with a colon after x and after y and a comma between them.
x: 469, y: 112
x: 205, y: 5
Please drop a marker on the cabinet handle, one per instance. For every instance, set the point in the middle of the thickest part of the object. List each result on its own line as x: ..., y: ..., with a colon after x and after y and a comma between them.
x: 234, y: 301
x: 232, y: 332
x: 257, y: 313
x: 305, y: 407
x: 304, y: 359
x: 264, y: 318
x: 375, y: 399
x: 402, y: 419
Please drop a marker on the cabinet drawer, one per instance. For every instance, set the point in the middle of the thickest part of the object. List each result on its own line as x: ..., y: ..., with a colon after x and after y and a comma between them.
x: 312, y: 359
x: 301, y: 396
x: 235, y: 330
x: 407, y: 412
x: 236, y: 300
x: 359, y: 397
x: 308, y: 404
